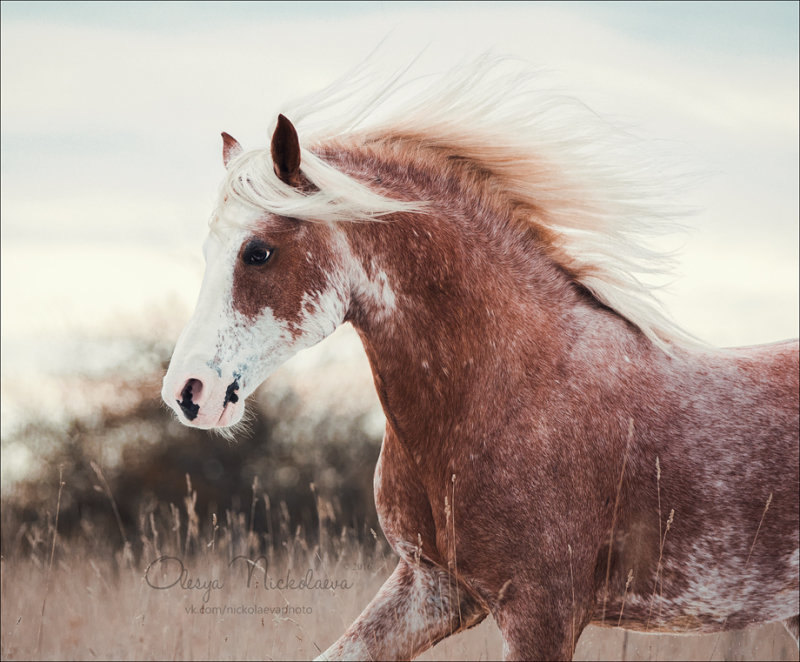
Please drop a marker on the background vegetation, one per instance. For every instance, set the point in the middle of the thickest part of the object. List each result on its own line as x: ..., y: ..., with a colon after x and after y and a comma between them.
x: 128, y: 484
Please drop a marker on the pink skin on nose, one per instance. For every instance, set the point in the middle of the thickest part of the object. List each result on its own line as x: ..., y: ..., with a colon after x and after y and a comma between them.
x: 194, y: 396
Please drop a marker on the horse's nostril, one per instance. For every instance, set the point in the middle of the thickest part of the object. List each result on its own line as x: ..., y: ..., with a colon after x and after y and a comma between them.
x: 230, y: 393
x: 191, y: 390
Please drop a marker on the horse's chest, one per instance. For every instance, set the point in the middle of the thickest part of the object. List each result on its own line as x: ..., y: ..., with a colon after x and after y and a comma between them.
x: 402, y: 504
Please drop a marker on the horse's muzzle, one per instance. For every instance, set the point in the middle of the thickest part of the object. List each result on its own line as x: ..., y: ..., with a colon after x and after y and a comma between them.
x: 203, y: 400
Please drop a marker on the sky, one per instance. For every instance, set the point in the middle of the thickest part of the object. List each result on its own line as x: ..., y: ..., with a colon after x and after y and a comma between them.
x: 110, y: 146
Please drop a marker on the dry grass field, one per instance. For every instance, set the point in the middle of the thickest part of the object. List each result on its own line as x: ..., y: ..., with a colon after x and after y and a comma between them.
x: 292, y: 496
x: 225, y: 592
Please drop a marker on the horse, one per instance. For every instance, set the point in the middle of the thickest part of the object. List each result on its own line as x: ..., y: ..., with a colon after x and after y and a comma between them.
x: 557, y: 451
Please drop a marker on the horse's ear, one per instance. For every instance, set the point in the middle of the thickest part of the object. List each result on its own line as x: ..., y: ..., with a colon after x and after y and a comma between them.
x: 230, y: 148
x: 286, y: 152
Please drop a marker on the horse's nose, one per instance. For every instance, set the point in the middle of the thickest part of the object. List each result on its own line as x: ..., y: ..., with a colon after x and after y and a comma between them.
x: 189, y: 398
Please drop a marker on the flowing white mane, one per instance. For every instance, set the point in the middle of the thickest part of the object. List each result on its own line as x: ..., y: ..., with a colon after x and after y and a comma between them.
x: 551, y: 156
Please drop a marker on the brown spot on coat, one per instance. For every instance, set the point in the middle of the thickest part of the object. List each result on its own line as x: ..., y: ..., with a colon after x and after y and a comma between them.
x: 282, y: 283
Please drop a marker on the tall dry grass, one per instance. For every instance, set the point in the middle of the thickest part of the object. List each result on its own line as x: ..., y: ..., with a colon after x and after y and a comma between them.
x: 293, y: 497
x: 233, y: 600
x: 103, y: 600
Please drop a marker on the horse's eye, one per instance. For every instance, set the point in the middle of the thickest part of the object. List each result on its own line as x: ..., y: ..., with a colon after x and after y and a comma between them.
x: 257, y: 252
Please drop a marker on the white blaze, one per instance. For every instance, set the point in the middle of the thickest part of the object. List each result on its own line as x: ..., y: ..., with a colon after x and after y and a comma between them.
x: 221, y: 345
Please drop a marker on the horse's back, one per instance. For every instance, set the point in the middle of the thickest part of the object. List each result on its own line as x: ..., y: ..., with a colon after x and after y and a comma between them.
x: 743, y: 422
x: 766, y: 388
x: 750, y: 392
x: 780, y: 359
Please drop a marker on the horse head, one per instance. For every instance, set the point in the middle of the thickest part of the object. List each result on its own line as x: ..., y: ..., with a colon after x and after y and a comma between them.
x: 273, y: 285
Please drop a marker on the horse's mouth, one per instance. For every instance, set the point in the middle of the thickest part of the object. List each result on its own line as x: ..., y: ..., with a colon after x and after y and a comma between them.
x: 225, y: 418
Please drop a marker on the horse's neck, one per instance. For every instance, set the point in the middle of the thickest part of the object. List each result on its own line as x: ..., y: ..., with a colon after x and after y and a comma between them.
x: 455, y: 320
x: 459, y: 310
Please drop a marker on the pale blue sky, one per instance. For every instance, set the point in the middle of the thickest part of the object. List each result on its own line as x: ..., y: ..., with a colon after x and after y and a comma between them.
x: 111, y: 114
x: 742, y: 26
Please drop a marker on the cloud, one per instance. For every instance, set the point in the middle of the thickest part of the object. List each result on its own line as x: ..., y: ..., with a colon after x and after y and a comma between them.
x: 110, y: 129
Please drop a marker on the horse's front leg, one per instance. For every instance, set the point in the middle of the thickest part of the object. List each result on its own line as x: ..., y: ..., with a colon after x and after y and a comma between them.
x: 416, y: 607
x: 543, y: 608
